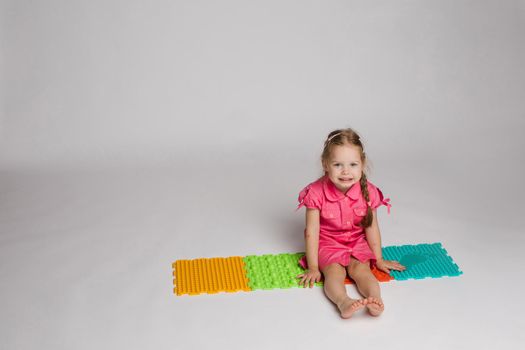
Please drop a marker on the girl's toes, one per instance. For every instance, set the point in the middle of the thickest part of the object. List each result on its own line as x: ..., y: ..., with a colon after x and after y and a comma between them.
x: 375, y: 306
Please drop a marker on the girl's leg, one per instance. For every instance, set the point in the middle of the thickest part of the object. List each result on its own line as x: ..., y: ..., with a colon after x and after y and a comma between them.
x: 367, y: 285
x: 334, y: 288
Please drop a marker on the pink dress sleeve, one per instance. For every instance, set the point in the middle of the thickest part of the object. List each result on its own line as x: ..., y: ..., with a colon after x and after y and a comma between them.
x: 377, y: 199
x: 308, y: 198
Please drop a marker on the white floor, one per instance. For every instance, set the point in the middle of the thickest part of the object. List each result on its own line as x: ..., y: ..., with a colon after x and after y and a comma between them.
x: 85, y: 263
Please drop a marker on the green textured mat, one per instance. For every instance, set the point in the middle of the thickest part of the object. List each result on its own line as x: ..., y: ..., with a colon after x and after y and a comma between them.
x: 273, y: 271
x: 280, y: 271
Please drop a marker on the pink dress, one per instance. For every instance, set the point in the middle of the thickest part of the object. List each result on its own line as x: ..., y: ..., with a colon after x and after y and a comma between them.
x: 340, y: 237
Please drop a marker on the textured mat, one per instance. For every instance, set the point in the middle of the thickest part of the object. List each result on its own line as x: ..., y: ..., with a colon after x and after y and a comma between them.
x: 279, y: 271
x: 209, y: 276
x: 421, y: 261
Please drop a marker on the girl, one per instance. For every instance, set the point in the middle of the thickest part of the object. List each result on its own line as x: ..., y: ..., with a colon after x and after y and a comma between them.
x: 342, y: 234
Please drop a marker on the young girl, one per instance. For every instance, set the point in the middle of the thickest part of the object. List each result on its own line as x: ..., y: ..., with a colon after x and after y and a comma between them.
x: 342, y: 234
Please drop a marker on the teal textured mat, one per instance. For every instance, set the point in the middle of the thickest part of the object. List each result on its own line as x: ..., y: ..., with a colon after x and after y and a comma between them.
x: 421, y: 261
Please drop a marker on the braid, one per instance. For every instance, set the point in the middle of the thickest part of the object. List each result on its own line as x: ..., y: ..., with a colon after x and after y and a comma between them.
x: 367, y: 220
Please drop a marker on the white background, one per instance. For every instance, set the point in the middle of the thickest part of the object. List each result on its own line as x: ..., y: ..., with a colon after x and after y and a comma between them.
x: 134, y: 134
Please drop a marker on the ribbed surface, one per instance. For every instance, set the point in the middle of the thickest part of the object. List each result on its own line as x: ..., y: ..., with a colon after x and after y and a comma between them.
x: 209, y: 276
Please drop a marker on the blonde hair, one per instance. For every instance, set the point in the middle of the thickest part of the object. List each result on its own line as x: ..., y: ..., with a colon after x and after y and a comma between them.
x: 348, y: 136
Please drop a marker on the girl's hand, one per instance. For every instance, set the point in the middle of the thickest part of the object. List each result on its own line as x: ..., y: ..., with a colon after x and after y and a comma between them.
x: 310, y: 277
x: 387, y: 265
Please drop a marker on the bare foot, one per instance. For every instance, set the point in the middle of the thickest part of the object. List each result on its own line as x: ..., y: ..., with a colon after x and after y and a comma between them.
x: 349, y: 306
x: 375, y: 306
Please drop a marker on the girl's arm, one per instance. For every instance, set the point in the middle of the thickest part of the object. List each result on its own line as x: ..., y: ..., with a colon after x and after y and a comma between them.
x: 311, y: 237
x: 373, y: 237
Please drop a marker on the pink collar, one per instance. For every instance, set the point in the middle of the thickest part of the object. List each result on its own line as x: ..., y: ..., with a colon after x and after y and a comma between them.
x: 333, y: 194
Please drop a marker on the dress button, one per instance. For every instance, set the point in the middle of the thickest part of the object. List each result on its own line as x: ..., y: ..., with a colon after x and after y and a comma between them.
x: 348, y: 222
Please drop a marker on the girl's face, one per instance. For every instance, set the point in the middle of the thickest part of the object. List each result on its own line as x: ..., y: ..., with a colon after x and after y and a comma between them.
x: 345, y: 167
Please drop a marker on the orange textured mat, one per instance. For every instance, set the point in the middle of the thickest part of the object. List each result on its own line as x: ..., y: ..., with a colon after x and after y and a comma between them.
x: 210, y: 276
x: 380, y: 275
